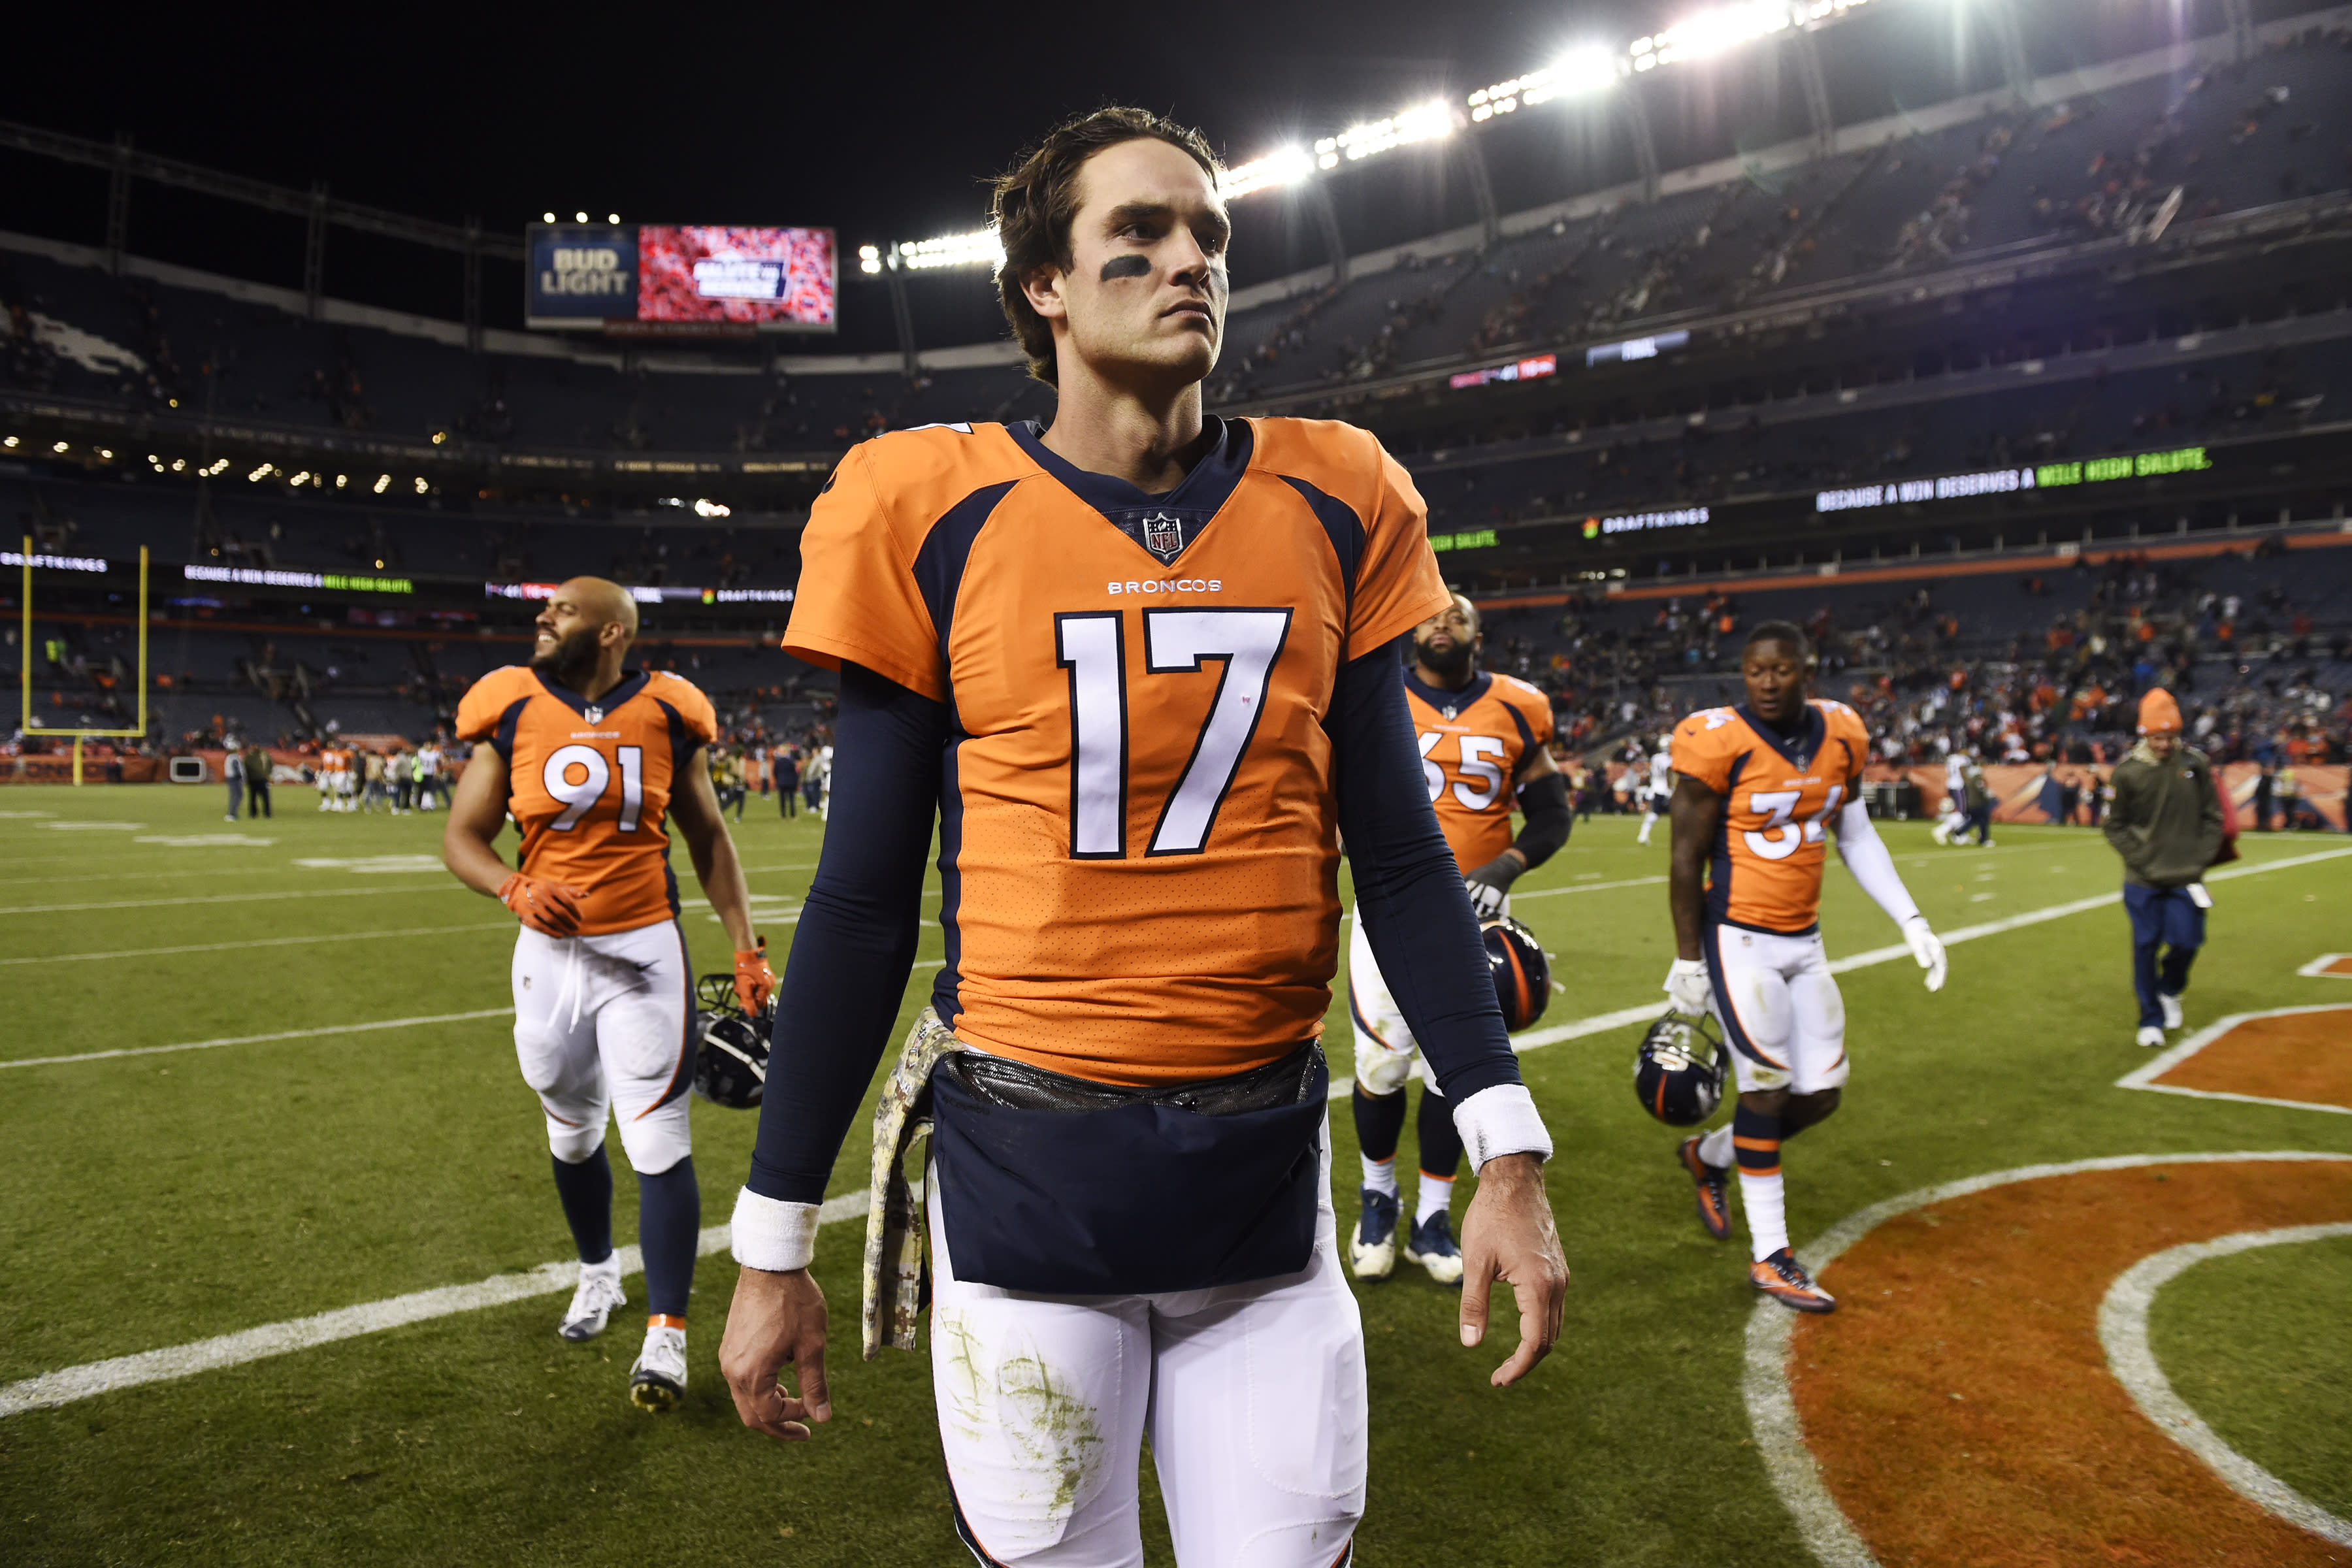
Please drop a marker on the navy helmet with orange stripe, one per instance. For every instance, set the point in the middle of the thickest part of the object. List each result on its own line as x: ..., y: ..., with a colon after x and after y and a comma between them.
x: 1522, y: 973
x: 1678, y: 1070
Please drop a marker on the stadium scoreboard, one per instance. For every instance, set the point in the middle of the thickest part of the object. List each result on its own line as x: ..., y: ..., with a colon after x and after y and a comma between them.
x: 688, y: 278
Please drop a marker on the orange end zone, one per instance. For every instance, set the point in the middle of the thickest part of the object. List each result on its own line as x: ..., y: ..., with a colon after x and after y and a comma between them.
x: 1960, y: 1408
x: 2303, y: 1056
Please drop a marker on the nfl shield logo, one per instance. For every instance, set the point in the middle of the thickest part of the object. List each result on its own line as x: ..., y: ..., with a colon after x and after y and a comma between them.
x: 593, y: 714
x: 1164, y: 536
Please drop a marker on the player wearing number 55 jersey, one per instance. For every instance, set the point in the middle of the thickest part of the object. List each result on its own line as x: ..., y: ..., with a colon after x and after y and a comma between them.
x: 1482, y: 740
x: 590, y: 758
x: 1135, y: 670
x: 1761, y: 788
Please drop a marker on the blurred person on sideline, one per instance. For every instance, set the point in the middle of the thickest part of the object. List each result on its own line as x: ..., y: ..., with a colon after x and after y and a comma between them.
x: 2165, y: 820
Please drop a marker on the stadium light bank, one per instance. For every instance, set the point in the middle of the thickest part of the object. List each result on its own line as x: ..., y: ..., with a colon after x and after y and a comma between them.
x: 1582, y: 72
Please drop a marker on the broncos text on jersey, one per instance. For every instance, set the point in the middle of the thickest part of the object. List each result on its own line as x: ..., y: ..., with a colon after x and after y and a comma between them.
x: 1473, y: 744
x: 1780, y: 794
x: 590, y: 783
x: 1138, y: 837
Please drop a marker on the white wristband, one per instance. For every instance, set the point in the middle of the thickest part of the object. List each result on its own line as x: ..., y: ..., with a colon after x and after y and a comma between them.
x: 1499, y: 1121
x: 773, y: 1235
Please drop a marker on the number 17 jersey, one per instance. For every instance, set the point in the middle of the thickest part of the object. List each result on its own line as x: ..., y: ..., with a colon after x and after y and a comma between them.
x: 1139, y: 839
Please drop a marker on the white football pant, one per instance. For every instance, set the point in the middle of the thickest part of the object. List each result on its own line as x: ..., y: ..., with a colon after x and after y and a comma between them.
x: 604, y: 1027
x: 1252, y: 1395
x: 1385, y: 1049
x: 1780, y: 1008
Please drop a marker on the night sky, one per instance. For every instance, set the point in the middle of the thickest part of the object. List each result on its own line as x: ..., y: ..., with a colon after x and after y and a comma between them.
x: 882, y: 122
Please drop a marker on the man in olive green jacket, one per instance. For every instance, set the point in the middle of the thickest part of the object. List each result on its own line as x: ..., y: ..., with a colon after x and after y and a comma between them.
x: 2165, y: 822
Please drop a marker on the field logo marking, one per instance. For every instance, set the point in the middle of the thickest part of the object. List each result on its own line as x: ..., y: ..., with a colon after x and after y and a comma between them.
x: 2146, y: 1076
x: 2329, y: 966
x: 1771, y: 1403
x: 2123, y: 1335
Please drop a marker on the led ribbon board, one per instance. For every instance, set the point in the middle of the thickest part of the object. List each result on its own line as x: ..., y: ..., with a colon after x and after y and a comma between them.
x: 2004, y: 481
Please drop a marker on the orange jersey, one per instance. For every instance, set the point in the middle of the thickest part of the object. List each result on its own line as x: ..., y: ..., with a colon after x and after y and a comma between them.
x: 1138, y: 827
x: 1764, y: 869
x: 590, y: 783
x: 1473, y: 744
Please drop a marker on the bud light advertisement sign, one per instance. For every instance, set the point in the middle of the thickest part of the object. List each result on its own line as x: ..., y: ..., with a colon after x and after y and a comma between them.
x: 580, y: 275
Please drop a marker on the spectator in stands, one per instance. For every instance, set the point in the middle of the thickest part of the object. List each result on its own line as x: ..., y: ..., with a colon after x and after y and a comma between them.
x: 2166, y: 825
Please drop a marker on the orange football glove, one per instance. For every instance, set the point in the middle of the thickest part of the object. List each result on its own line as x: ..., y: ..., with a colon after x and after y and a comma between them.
x: 548, y: 908
x: 754, y: 980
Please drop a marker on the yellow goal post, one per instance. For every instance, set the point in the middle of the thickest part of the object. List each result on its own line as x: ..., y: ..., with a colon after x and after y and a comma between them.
x: 26, y: 667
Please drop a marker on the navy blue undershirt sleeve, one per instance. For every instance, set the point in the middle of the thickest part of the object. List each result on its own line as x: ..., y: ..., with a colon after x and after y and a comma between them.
x: 1408, y: 891
x: 855, y: 945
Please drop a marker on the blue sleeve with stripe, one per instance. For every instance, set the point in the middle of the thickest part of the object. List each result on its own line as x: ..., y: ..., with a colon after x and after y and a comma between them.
x: 855, y: 945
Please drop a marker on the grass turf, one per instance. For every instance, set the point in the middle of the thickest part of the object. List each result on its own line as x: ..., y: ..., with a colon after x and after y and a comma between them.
x: 160, y: 1199
x: 2256, y: 1344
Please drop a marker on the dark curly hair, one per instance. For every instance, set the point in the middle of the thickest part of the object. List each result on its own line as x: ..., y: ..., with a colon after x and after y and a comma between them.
x: 1035, y: 200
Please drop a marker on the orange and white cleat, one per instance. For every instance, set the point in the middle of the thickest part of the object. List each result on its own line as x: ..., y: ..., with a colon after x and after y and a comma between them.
x: 1783, y: 1278
x: 1714, y: 1204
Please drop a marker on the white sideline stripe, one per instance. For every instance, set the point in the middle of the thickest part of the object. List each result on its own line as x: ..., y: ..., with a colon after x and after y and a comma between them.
x: 2123, y: 1335
x: 1600, y: 1024
x: 260, y: 942
x: 52, y: 1389
x: 2145, y: 1076
x: 1589, y: 888
x: 452, y: 886
x: 257, y: 1039
x: 1773, y: 1407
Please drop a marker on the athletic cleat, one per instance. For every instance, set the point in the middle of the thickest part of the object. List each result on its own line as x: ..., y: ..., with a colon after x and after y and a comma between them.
x: 658, y: 1380
x: 2150, y: 1035
x: 593, y: 1302
x: 1940, y: 834
x: 1714, y: 1204
x: 1371, y: 1251
x: 1432, y: 1245
x: 1783, y: 1278
x: 2172, y: 1006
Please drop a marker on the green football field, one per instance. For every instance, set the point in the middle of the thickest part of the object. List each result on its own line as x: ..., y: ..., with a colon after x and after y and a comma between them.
x: 354, y: 1132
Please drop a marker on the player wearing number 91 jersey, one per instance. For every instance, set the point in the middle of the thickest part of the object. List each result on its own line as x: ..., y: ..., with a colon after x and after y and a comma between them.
x: 592, y: 759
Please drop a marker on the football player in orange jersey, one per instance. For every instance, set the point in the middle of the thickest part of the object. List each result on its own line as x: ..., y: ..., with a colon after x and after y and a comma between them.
x: 591, y: 757
x: 1477, y: 730
x: 1759, y: 788
x: 1137, y: 668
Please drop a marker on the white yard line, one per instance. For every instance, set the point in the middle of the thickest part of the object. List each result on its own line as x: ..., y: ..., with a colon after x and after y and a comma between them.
x: 54, y: 1388
x: 1785, y: 1456
x: 257, y: 1039
x: 261, y: 941
x: 451, y: 886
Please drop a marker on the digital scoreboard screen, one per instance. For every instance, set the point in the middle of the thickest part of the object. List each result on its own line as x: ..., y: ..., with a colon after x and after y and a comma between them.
x: 779, y: 279
x: 681, y: 278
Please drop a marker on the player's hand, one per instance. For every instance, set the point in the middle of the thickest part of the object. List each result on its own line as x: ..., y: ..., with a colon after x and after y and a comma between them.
x: 1490, y: 884
x: 776, y: 1320
x: 754, y: 980
x: 1689, y: 988
x: 1928, y: 948
x: 1508, y: 1235
x: 549, y: 909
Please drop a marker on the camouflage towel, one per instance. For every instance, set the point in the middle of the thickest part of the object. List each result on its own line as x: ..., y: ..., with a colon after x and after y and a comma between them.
x: 895, y: 1221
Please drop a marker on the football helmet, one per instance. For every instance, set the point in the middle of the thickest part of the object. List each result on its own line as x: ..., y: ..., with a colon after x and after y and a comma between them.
x: 1522, y: 975
x: 730, y: 1066
x: 1678, y: 1069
